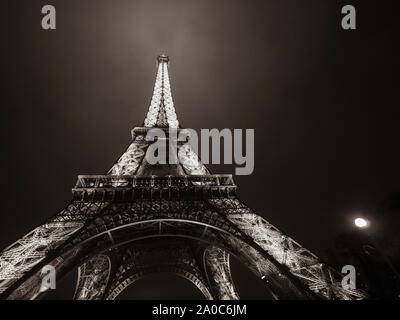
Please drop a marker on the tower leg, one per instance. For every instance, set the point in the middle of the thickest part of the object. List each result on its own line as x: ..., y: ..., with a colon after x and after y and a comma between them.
x: 217, y: 268
x: 284, y: 256
x: 93, y: 278
x: 37, y: 247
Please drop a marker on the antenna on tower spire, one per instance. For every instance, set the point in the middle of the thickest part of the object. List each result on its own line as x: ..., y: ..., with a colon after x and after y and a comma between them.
x: 162, y: 58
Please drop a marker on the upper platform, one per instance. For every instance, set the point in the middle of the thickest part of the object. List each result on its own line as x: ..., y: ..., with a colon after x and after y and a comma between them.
x: 128, y: 188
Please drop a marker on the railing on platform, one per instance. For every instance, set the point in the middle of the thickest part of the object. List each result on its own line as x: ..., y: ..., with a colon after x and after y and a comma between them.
x: 110, y: 181
x: 128, y: 188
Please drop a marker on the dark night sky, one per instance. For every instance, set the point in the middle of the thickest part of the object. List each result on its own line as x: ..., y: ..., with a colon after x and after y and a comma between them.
x: 323, y: 102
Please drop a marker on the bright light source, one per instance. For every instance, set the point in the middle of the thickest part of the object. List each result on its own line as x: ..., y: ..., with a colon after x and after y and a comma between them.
x: 361, y: 223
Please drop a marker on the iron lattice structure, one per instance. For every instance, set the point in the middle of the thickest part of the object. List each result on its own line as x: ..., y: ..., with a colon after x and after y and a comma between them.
x: 140, y: 219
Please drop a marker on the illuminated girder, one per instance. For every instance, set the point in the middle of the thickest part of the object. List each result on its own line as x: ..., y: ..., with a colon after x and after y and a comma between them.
x: 218, y: 272
x: 20, y: 257
x: 130, y: 159
x: 93, y: 277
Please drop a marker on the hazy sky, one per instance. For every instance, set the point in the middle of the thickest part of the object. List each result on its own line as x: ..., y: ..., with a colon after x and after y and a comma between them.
x: 323, y: 101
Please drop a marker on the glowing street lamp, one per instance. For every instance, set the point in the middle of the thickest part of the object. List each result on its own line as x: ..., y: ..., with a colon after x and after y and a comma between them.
x: 361, y: 223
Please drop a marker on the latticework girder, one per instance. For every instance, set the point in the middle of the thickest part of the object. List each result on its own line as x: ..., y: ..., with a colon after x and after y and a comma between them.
x: 131, y: 158
x: 161, y: 110
x: 217, y: 269
x: 19, y: 258
x: 93, y: 277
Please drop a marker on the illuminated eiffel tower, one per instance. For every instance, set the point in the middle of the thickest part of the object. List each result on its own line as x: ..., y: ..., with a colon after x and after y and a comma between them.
x: 140, y: 219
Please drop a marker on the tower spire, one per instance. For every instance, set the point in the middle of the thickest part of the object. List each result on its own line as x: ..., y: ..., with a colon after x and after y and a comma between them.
x: 161, y: 110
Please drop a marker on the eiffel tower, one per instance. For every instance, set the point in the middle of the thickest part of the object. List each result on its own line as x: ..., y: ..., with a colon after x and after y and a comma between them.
x: 142, y: 218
